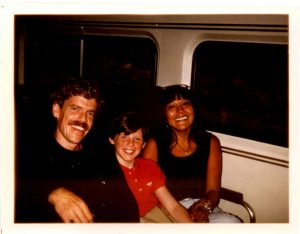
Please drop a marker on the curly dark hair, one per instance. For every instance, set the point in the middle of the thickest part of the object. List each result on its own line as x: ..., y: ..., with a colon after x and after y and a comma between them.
x: 77, y: 87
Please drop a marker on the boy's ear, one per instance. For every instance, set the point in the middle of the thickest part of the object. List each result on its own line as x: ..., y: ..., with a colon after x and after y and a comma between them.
x: 56, y: 110
x: 111, y: 141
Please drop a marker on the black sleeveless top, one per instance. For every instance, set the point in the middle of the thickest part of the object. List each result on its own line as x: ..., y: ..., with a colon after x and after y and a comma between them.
x: 186, y: 176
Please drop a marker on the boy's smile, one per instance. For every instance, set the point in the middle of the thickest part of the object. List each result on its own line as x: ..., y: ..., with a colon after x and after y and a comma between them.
x: 128, y: 147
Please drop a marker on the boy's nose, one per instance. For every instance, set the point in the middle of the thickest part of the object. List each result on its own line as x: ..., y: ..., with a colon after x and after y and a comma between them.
x: 129, y: 142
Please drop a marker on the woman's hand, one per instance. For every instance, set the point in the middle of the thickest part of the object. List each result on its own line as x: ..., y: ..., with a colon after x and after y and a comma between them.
x: 198, y: 215
x: 200, y: 210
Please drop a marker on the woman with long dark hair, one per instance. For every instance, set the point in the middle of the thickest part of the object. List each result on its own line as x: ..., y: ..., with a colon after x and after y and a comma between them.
x: 190, y: 157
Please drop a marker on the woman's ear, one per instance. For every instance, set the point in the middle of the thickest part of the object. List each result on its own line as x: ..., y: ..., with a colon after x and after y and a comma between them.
x: 111, y: 141
x: 56, y: 110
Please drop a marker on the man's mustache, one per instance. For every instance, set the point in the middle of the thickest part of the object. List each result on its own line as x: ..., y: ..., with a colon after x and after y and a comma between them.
x: 78, y: 123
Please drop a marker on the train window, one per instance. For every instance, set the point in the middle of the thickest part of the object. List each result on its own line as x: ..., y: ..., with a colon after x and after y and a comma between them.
x: 50, y: 57
x: 120, y: 60
x: 243, y: 89
x: 113, y: 59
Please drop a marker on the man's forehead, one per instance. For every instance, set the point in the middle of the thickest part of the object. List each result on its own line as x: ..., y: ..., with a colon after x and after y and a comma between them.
x: 81, y: 100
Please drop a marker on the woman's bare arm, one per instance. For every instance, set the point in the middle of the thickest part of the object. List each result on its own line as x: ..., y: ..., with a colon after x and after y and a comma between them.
x: 150, y: 150
x: 214, y: 172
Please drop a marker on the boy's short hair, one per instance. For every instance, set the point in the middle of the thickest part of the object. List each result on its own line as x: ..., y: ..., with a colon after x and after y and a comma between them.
x: 129, y: 122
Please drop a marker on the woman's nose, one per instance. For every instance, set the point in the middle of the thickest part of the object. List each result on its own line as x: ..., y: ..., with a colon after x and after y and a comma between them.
x: 179, y: 108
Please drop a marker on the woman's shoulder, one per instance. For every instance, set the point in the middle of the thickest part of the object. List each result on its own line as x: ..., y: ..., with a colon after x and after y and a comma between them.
x: 152, y: 141
x: 215, y: 141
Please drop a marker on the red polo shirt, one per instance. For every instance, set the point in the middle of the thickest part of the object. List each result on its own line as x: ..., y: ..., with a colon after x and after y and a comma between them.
x: 144, y: 179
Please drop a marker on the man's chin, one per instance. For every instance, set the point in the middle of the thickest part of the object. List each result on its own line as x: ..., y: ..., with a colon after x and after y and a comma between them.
x: 77, y: 140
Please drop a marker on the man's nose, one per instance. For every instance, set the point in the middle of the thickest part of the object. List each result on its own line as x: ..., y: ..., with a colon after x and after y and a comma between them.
x: 83, y: 117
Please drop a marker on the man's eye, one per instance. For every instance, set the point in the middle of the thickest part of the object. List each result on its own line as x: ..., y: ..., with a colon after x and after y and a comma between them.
x: 91, y: 115
x: 74, y: 108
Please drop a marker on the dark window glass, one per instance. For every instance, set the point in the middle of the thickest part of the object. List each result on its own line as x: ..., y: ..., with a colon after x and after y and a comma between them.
x: 108, y: 59
x: 50, y: 57
x: 120, y: 60
x: 243, y: 89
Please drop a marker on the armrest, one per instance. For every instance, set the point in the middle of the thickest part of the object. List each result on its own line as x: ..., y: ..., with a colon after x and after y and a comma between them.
x: 238, y: 198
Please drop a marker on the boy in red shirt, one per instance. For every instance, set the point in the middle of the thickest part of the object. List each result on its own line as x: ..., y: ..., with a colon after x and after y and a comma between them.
x: 144, y: 177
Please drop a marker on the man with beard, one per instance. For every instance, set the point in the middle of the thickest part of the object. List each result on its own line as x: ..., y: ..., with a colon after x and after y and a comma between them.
x: 63, y: 178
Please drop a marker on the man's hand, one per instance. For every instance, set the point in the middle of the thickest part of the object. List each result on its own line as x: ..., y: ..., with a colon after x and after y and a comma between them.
x: 70, y: 207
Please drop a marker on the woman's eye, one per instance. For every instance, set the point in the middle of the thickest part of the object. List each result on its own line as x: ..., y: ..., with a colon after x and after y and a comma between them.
x: 187, y: 103
x: 171, y: 107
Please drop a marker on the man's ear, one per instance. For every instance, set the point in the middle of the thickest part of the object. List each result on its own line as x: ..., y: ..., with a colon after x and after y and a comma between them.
x: 111, y: 141
x: 56, y: 110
